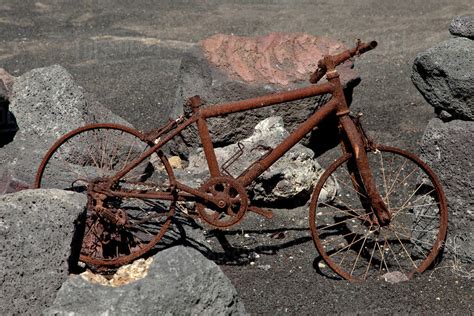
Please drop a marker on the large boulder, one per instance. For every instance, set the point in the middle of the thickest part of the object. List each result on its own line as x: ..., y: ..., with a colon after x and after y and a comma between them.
x: 45, y: 103
x: 180, y: 281
x: 288, y: 182
x: 37, y: 247
x: 447, y: 148
x: 226, y: 68
x: 444, y: 74
x: 462, y: 25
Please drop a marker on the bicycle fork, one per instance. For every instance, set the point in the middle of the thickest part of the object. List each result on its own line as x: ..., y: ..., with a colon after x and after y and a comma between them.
x: 364, y: 178
x: 356, y: 145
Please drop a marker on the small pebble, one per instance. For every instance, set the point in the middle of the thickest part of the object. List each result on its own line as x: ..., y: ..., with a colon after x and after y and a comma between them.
x: 265, y: 267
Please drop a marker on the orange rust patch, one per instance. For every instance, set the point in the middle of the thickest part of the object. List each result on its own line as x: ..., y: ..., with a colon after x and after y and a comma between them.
x: 277, y: 58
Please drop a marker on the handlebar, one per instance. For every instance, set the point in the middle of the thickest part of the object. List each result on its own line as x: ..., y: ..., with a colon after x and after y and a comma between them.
x: 340, y: 58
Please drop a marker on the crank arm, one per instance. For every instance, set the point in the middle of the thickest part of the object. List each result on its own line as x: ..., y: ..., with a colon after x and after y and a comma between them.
x: 261, y: 211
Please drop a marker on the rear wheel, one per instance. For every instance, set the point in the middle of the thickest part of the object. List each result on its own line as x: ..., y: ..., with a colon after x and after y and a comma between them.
x: 346, y: 232
x: 118, y: 230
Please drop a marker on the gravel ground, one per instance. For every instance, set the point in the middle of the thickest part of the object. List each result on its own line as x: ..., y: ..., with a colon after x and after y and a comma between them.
x: 285, y: 276
x: 126, y: 54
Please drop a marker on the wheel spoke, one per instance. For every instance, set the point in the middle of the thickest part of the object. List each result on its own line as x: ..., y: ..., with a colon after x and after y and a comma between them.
x: 406, y: 244
x: 92, y: 154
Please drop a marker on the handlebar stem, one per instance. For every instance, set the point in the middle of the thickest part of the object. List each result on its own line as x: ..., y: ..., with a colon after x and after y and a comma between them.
x: 340, y: 58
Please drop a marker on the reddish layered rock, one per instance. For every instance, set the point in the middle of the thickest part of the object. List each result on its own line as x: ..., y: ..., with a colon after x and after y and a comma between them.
x: 277, y: 58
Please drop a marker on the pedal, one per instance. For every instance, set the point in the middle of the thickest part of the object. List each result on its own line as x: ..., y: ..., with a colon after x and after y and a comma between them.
x: 261, y: 211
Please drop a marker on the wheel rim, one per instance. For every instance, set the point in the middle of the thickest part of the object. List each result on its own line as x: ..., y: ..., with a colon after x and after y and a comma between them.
x: 97, y: 152
x: 347, y: 235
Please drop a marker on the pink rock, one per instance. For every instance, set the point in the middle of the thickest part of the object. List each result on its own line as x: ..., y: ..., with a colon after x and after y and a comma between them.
x: 277, y: 58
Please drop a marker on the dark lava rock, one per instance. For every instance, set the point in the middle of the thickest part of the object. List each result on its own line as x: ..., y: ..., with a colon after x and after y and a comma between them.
x: 463, y: 26
x: 226, y: 68
x: 37, y: 229
x: 180, y: 281
x: 46, y: 103
x: 447, y: 148
x: 444, y: 75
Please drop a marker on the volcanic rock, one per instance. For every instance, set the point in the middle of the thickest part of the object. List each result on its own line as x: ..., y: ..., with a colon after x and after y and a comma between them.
x: 180, y: 281
x: 444, y: 74
x: 37, y: 247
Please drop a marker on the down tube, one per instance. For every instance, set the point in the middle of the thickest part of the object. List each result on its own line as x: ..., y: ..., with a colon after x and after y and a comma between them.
x: 304, y: 128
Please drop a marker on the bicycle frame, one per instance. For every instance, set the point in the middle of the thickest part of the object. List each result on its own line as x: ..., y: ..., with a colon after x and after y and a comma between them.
x: 357, y: 210
x: 336, y: 105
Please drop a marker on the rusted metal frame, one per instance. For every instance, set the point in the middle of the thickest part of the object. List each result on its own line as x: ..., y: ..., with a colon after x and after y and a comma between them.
x: 207, y: 146
x: 204, y: 135
x: 356, y: 144
x: 153, y: 149
x: 340, y: 58
x: 258, y: 167
x: 189, y: 194
x: 362, y: 162
x: 263, y: 101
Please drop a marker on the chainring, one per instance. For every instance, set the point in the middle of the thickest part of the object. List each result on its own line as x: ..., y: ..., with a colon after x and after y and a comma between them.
x: 233, y: 202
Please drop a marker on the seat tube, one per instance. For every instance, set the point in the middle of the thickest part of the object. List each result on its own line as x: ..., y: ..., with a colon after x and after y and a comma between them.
x: 205, y: 136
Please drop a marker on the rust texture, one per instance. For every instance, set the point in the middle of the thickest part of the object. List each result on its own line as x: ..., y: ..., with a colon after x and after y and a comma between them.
x: 222, y: 201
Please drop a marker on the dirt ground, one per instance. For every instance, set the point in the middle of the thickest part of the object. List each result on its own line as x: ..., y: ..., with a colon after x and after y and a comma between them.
x: 126, y: 54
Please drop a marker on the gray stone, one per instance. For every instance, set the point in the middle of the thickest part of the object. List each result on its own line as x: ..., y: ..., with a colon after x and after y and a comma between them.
x: 462, y: 25
x: 395, y: 277
x: 37, y: 230
x: 46, y: 103
x: 288, y: 182
x: 198, y: 76
x: 444, y: 74
x: 447, y: 148
x: 180, y: 281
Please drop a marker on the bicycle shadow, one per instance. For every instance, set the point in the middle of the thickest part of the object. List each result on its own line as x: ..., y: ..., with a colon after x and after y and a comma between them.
x: 228, y: 253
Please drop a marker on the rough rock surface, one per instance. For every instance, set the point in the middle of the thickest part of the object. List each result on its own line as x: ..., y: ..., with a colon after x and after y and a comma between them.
x: 462, y: 25
x: 277, y: 58
x: 37, y: 228
x: 447, y: 148
x: 180, y: 281
x: 289, y: 180
x: 229, y: 68
x: 444, y: 74
x: 46, y: 103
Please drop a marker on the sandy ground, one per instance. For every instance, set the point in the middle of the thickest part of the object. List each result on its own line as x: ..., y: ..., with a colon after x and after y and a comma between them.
x: 126, y: 54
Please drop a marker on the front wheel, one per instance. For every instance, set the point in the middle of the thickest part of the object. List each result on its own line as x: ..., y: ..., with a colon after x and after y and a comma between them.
x: 346, y: 231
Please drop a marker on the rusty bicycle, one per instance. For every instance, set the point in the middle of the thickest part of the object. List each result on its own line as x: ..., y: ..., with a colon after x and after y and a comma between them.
x: 388, y: 211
